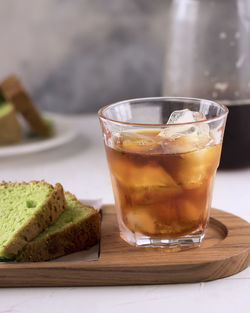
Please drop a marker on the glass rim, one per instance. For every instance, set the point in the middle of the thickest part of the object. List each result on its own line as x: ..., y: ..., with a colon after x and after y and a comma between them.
x: 216, y: 118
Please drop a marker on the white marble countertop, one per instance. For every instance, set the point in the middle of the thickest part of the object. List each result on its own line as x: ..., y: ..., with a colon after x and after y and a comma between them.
x: 81, y: 167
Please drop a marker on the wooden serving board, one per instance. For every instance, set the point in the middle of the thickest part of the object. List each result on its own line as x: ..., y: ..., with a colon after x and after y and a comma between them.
x: 224, y: 252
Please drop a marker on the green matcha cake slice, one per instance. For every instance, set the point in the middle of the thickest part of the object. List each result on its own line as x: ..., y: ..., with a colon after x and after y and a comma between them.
x: 77, y: 228
x: 10, y: 131
x: 27, y: 209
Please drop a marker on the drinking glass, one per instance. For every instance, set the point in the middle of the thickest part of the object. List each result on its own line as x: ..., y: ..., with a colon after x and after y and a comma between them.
x: 163, y: 154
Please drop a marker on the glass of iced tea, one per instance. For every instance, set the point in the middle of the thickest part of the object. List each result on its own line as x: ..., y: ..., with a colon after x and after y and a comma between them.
x: 163, y: 154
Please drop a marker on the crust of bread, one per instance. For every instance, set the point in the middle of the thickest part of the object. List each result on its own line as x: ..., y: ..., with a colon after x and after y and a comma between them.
x: 77, y: 236
x: 10, y: 131
x: 47, y: 215
x: 14, y: 92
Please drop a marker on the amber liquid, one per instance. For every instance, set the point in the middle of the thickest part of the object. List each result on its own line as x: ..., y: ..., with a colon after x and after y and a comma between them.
x: 159, y: 191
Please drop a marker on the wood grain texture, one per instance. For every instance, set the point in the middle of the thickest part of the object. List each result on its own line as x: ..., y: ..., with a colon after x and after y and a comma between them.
x: 224, y: 252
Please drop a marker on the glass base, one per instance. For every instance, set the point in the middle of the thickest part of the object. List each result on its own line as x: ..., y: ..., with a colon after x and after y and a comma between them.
x: 192, y: 240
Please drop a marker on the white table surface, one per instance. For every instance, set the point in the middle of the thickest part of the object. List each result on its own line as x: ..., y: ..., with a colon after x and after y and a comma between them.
x: 81, y: 167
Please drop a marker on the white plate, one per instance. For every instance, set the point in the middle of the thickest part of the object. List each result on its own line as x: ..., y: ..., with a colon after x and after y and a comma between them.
x: 63, y: 134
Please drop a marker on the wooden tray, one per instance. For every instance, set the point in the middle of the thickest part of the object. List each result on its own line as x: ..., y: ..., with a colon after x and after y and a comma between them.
x: 224, y: 252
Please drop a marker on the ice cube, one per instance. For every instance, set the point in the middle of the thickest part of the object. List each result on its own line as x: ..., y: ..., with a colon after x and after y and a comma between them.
x: 191, y: 170
x: 153, y: 195
x: 132, y: 175
x: 137, y: 142
x: 140, y: 221
x: 185, y: 116
x: 199, y: 131
x: 185, y: 144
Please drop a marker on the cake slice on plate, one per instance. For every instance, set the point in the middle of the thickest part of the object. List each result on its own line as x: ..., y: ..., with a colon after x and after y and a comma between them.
x: 14, y: 92
x: 10, y: 131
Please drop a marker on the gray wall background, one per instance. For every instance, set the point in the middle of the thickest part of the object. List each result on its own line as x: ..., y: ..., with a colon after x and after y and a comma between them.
x: 76, y: 56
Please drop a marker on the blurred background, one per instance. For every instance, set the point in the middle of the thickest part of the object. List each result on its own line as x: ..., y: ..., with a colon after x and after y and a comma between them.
x: 76, y: 56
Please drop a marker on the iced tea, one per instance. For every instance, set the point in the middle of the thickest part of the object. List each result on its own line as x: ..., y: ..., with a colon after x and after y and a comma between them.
x: 163, y: 154
x: 162, y: 187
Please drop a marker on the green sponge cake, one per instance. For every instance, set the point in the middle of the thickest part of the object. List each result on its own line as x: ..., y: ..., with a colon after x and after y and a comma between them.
x: 26, y: 209
x: 77, y: 228
x: 10, y: 131
x: 5, y: 108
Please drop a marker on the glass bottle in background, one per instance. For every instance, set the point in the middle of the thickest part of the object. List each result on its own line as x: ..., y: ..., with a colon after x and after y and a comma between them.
x: 208, y: 56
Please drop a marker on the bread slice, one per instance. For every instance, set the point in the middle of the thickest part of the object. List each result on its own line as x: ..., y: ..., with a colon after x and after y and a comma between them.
x: 10, y: 131
x: 26, y: 209
x: 14, y: 92
x: 77, y: 228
